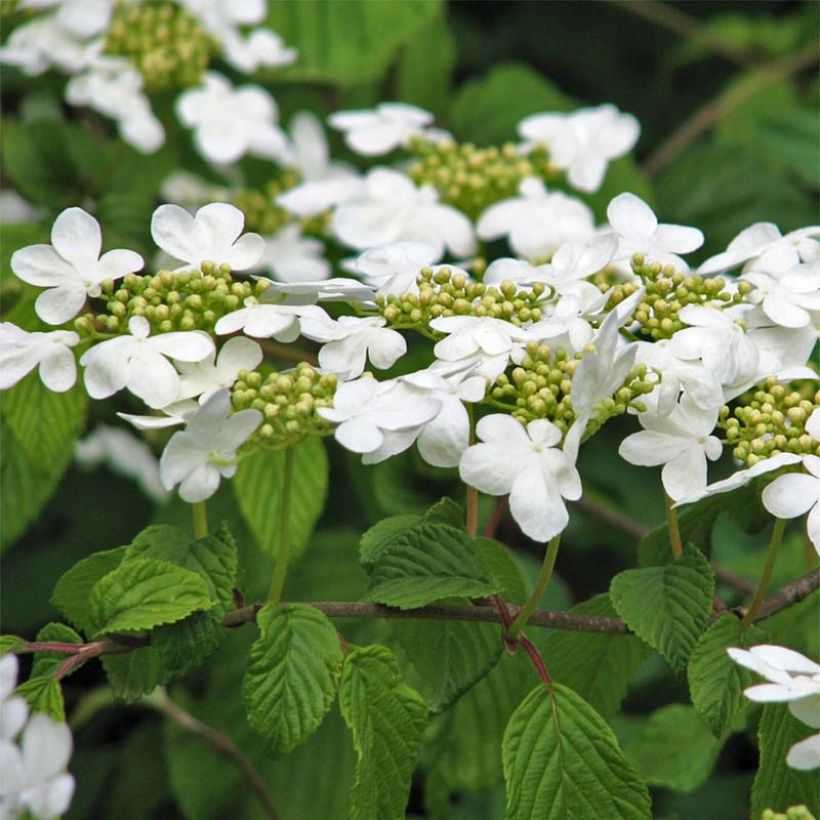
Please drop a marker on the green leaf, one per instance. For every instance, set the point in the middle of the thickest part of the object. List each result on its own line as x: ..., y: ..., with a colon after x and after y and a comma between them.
x: 45, y: 663
x: 258, y: 488
x: 43, y: 694
x: 598, y: 667
x: 777, y: 786
x: 185, y: 644
x: 506, y: 568
x: 345, y: 41
x: 445, y: 511
x: 428, y: 563
x: 375, y: 539
x: 73, y: 590
x: 669, y: 606
x: 387, y: 719
x: 716, y: 682
x: 8, y: 643
x: 562, y: 761
x: 135, y: 673
x: 141, y: 594
x: 673, y: 749
x: 292, y: 675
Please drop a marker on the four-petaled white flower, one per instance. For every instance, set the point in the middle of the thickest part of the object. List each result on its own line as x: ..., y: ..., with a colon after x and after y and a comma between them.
x: 210, y: 235
x: 788, y: 298
x: 231, y: 123
x: 263, y: 321
x: 348, y: 342
x: 537, y: 222
x: 794, y: 494
x: 376, y: 132
x: 292, y: 257
x: 196, y: 457
x: 204, y: 378
x: 793, y: 679
x: 391, y: 208
x: 393, y: 269
x: 71, y: 267
x: 21, y: 352
x: 527, y: 464
x: 583, y: 142
x: 138, y: 362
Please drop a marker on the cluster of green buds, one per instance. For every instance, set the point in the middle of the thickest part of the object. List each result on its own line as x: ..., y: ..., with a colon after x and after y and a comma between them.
x: 446, y: 292
x: 184, y: 300
x: 472, y: 178
x: 792, y: 813
x: 168, y: 46
x: 771, y: 419
x: 668, y: 291
x: 288, y: 401
x: 262, y: 214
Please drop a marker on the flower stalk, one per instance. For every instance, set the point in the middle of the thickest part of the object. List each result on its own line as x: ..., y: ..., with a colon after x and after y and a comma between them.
x: 541, y: 584
x: 200, y: 515
x: 771, y: 557
x: 673, y: 526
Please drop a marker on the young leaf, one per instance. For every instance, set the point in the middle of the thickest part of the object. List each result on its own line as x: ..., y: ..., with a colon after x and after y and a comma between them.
x: 387, y: 530
x: 142, y: 594
x: 667, y: 606
x: 43, y: 694
x: 292, y: 674
x: 45, y: 663
x: 562, y: 761
x: 673, y: 749
x: 387, y: 719
x: 8, y: 643
x: 716, y: 682
x: 445, y: 511
x: 427, y: 563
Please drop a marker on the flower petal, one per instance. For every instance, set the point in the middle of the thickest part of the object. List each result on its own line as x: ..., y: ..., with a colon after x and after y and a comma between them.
x: 790, y: 495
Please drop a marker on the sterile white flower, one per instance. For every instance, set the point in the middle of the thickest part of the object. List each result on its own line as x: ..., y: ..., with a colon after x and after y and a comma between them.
x: 13, y: 708
x: 263, y: 321
x: 575, y: 261
x: 348, y: 343
x: 813, y: 424
x: 292, y: 257
x: 196, y: 457
x: 393, y: 269
x: 527, y: 464
x: 138, y: 362
x: 83, y: 18
x: 637, y: 228
x: 583, y: 142
x: 317, y: 196
x: 793, y: 679
x: 794, y: 494
x: 537, y: 222
x: 335, y: 289
x: 210, y: 235
x: 566, y: 323
x: 376, y: 132
x: 310, y: 153
x: 787, y: 299
x: 260, y: 48
x: 172, y: 416
x: 21, y: 352
x: 71, y: 267
x: 519, y: 271
x: 232, y: 122
x: 203, y: 379
x: 391, y: 208
x: 36, y: 46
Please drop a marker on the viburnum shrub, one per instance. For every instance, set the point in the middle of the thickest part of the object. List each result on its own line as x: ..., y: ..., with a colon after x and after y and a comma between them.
x: 458, y: 309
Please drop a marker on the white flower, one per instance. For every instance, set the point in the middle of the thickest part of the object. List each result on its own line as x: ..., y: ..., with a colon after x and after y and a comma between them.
x: 123, y: 453
x: 583, y: 142
x: 391, y: 208
x: 42, y: 43
x: 566, y: 323
x: 211, y: 235
x: 263, y: 321
x: 793, y: 679
x: 138, y: 362
x: 206, y: 377
x: 335, y: 289
x: 389, y: 126
x: 231, y: 123
x: 14, y: 210
x: 638, y: 230
x: 197, y: 456
x: 71, y: 267
x: 172, y: 416
x: 787, y: 299
x: 526, y: 464
x: 349, y: 342
x: 13, y: 708
x: 573, y: 262
x: 794, y: 494
x: 393, y: 269
x: 537, y: 222
x: 83, y: 18
x: 310, y: 153
x: 21, y: 352
x: 316, y: 196
x: 518, y: 271
x: 260, y: 48
x: 291, y: 257
x: 681, y: 441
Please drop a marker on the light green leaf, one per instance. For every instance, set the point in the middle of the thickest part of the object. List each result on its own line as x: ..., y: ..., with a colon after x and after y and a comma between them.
x: 673, y: 749
x: 45, y: 663
x: 8, y: 643
x: 716, y: 682
x: 669, y: 606
x: 428, y: 563
x: 387, y: 719
x: 292, y: 674
x: 598, y: 667
x: 445, y: 511
x: 43, y: 694
x: 375, y: 539
x: 562, y: 761
x: 141, y: 594
x: 258, y: 488
x: 776, y: 785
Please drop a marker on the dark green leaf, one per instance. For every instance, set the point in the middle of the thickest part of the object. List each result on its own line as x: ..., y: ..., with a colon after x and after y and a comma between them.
x: 375, y: 539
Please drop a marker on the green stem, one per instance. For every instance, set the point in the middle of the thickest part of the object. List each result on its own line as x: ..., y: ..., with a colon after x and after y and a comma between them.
x: 672, y: 526
x: 200, y: 520
x: 771, y: 557
x: 281, y: 568
x: 525, y: 613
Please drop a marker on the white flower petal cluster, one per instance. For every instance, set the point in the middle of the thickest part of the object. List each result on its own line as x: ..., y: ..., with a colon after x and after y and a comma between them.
x: 377, y: 132
x: 795, y: 494
x: 33, y: 777
x: 197, y: 457
x: 793, y: 679
x: 263, y: 321
x: 393, y: 269
x: 21, y: 352
x: 335, y: 289
x: 291, y: 257
x: 584, y: 142
x: 204, y: 378
x: 788, y: 293
x: 71, y: 267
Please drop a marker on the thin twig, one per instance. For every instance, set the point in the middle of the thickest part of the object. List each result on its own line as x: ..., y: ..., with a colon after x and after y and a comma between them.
x: 786, y: 596
x: 732, y: 579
